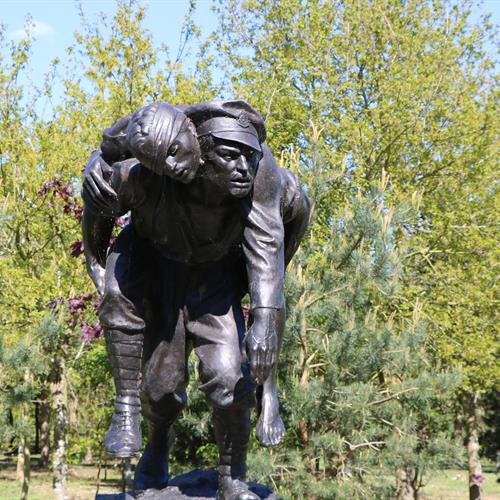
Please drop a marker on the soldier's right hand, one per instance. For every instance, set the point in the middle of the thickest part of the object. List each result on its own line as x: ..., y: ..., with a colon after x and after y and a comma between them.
x: 96, y: 189
x: 261, y: 342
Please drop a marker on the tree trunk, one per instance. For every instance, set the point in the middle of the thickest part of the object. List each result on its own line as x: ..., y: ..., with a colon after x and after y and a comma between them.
x: 44, y: 413
x: 59, y: 398
x: 473, y: 418
x: 304, y: 377
x: 475, y: 472
x: 24, y: 466
x: 472, y: 421
x: 459, y: 430
x: 27, y: 470
x: 12, y: 441
x: 37, y: 427
x: 303, y: 428
x: 304, y: 382
x: 406, y: 484
x: 20, y: 460
x: 73, y: 414
x: 89, y: 457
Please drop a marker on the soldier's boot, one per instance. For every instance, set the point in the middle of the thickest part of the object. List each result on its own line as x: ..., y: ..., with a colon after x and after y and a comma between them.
x: 232, y: 431
x: 123, y: 438
x: 152, y: 469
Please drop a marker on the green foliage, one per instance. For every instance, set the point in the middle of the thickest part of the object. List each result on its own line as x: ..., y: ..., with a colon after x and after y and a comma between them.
x: 408, y: 88
x: 194, y: 444
x: 354, y: 89
x: 359, y: 393
x: 20, y: 365
x: 113, y: 72
x: 92, y: 393
x: 392, y: 300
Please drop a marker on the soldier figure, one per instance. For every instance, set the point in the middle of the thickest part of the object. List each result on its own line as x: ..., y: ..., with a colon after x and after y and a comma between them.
x: 212, y: 217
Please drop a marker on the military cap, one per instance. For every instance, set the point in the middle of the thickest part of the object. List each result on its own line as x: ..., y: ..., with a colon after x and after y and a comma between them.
x: 231, y: 120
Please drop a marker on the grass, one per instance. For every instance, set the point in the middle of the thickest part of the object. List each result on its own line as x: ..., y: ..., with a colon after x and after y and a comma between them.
x: 82, y: 483
x: 453, y: 485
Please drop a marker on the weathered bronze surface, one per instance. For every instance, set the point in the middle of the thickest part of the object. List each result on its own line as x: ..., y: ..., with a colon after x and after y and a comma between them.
x: 212, y: 218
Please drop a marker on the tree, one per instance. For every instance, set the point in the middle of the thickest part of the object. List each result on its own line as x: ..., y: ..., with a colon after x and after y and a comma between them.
x: 351, y: 91
x: 20, y: 365
x: 403, y: 87
x: 114, y: 71
x: 360, y: 394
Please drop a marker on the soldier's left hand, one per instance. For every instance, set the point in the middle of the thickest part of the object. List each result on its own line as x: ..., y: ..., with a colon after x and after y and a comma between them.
x: 96, y: 189
x: 261, y: 343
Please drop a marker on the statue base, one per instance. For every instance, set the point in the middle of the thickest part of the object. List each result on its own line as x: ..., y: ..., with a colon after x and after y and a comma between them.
x: 195, y: 485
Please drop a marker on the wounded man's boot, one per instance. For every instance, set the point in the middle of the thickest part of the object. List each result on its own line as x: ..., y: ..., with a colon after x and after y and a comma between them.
x: 232, y: 431
x: 123, y: 438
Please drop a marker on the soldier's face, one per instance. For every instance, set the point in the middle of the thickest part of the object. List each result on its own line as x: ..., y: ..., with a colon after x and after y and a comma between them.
x: 183, y: 157
x: 233, y: 166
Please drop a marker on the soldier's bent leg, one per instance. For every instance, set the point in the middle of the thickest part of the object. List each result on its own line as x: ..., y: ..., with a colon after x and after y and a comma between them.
x: 225, y: 377
x: 152, y: 469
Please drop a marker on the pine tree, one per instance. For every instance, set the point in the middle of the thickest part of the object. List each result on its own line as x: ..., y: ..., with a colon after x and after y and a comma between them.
x: 359, y: 392
x: 20, y: 364
x: 408, y: 88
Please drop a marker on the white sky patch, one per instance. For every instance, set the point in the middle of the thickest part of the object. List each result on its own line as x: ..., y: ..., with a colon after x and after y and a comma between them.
x: 36, y: 29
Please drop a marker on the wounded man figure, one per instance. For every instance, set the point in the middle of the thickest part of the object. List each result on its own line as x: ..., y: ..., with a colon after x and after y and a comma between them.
x: 212, y: 218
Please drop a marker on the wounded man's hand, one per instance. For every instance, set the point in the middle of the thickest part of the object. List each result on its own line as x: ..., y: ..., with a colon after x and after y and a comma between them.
x: 261, y: 343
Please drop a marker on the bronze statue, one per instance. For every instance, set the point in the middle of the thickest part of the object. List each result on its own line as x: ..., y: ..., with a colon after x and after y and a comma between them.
x: 212, y: 218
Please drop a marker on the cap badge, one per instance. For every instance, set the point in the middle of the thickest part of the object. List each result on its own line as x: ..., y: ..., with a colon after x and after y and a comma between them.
x: 243, y: 120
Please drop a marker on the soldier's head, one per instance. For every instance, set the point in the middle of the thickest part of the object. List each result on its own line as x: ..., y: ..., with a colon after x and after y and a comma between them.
x: 164, y: 140
x: 230, y: 134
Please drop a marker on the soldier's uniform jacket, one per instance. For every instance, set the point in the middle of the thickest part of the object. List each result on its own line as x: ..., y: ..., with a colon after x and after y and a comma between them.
x: 184, y: 231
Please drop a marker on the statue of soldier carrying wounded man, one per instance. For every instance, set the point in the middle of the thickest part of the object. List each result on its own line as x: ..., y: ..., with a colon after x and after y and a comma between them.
x: 212, y: 218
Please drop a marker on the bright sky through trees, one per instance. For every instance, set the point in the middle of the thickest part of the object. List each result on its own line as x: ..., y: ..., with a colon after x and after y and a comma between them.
x: 55, y: 21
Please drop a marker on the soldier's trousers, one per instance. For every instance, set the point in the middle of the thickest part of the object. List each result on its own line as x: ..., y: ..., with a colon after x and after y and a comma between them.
x: 179, y: 308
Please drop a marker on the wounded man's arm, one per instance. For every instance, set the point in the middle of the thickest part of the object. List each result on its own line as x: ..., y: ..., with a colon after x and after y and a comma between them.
x: 263, y: 244
x: 263, y: 238
x: 99, y: 219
